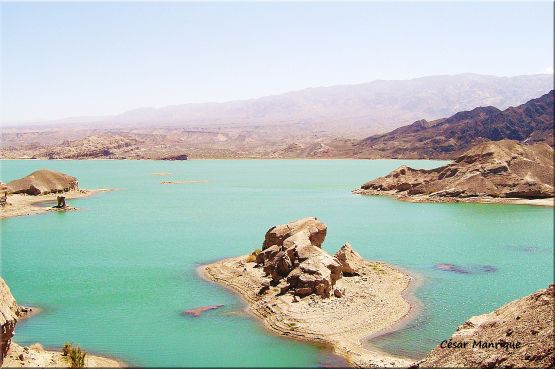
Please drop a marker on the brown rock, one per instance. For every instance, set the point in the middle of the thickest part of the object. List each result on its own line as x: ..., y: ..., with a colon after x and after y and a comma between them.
x: 350, y: 260
x: 527, y: 321
x: 311, y: 231
x: 3, y: 194
x: 9, y: 312
x: 292, y: 252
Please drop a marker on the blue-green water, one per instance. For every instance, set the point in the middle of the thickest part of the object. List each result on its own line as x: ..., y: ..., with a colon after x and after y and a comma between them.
x: 115, y: 276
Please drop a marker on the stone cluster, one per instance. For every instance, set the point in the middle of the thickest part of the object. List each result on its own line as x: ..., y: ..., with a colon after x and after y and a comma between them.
x: 292, y: 258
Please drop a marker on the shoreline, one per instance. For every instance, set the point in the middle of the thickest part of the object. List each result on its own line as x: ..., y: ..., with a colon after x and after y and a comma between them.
x: 546, y: 202
x: 23, y: 205
x: 352, y: 343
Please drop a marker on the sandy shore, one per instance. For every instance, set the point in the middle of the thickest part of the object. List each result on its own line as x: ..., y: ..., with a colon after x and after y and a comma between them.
x: 550, y: 202
x: 20, y: 205
x: 374, y: 302
x: 36, y: 356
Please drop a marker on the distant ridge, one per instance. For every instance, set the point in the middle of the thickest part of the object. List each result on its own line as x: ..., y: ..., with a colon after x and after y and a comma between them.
x: 531, y: 122
x: 359, y: 109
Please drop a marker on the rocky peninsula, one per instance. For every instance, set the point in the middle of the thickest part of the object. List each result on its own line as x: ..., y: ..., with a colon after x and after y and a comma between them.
x: 300, y: 291
x: 14, y: 355
x: 20, y: 197
x: 491, y: 172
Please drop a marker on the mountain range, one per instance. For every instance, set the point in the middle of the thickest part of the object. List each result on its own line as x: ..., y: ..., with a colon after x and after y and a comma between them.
x: 344, y: 110
x: 531, y: 122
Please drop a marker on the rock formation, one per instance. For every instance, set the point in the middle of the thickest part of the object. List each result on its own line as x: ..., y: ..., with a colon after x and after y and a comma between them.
x: 9, y: 312
x: 42, y: 182
x: 3, y: 194
x: 503, y: 169
x: 351, y: 261
x: 517, y: 335
x: 292, y: 258
x: 61, y: 202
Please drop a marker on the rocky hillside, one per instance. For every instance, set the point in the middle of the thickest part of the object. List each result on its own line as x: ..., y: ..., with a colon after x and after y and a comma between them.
x: 43, y: 182
x: 517, y: 335
x: 531, y: 122
x: 497, y: 169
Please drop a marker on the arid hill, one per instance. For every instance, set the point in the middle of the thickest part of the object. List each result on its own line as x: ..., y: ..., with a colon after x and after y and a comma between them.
x: 517, y: 335
x: 531, y: 122
x: 495, y: 169
x: 43, y: 182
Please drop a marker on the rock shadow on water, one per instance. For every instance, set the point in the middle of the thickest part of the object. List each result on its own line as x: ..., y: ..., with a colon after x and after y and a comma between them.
x: 469, y: 269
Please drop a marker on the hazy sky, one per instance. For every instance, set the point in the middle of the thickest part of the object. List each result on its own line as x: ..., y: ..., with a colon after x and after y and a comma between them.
x: 77, y: 59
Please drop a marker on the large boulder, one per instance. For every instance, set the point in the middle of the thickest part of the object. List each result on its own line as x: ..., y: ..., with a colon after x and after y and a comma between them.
x: 292, y: 255
x: 350, y: 260
x: 42, y: 182
x: 307, y: 231
x: 9, y: 312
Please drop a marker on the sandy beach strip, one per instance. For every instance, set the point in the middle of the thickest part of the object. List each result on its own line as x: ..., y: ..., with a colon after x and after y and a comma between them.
x: 21, y: 205
x: 374, y: 301
x: 36, y: 355
x: 549, y: 202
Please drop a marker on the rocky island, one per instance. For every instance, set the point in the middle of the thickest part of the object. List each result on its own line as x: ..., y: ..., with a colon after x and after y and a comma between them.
x: 300, y: 291
x: 14, y: 355
x: 19, y: 197
x: 495, y: 171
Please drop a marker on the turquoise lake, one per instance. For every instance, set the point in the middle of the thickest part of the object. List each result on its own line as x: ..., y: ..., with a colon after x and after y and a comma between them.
x: 115, y: 276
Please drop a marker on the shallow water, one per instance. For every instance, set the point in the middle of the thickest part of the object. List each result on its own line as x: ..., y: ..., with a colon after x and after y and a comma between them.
x: 115, y: 276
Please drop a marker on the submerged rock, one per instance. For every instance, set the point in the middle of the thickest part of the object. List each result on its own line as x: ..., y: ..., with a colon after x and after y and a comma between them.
x: 42, y: 182
x: 517, y: 335
x: 196, y: 312
x: 451, y: 268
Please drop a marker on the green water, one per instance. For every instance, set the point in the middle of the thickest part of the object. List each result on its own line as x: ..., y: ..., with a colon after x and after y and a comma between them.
x: 115, y: 276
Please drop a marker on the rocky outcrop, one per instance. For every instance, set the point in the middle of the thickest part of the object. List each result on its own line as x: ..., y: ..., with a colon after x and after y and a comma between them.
x: 351, y: 261
x: 9, y: 312
x: 503, y: 169
x: 292, y: 258
x: 3, y: 194
x: 43, y: 182
x: 517, y: 335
